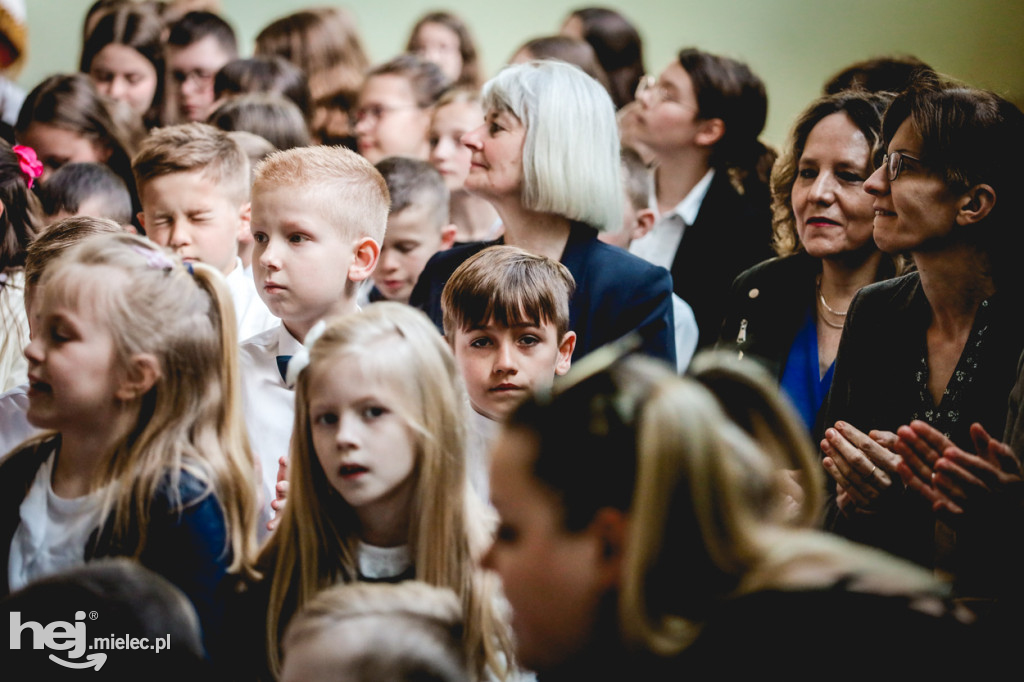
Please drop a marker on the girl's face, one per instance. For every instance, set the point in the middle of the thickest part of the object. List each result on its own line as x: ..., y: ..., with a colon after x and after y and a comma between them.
x: 496, y: 161
x: 57, y: 146
x: 366, y: 449
x: 555, y: 580
x: 439, y: 44
x: 119, y: 71
x: 389, y: 122
x: 668, y: 118
x: 917, y: 211
x: 448, y: 155
x: 75, y: 381
x: 833, y: 212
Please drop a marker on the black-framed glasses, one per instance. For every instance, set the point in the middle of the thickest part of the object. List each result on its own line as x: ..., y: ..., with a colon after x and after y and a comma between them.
x: 893, y: 163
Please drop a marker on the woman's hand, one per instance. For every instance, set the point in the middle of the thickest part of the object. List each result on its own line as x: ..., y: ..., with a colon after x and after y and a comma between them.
x: 863, y: 465
x: 957, y: 482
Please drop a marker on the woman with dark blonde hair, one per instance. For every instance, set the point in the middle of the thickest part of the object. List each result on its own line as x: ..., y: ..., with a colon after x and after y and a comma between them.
x: 788, y: 312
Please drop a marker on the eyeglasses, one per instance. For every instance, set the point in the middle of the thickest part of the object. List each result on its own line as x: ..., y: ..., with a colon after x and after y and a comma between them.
x: 650, y: 87
x: 201, y: 78
x: 376, y: 112
x: 894, y: 164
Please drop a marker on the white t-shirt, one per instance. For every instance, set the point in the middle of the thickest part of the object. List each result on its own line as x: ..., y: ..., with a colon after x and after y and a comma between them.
x: 53, y: 531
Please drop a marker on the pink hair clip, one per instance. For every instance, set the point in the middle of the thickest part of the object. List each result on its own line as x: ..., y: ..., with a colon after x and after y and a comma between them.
x: 155, y: 258
x: 30, y: 164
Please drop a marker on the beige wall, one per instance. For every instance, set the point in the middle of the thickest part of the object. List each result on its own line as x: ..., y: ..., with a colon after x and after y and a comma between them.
x: 793, y: 44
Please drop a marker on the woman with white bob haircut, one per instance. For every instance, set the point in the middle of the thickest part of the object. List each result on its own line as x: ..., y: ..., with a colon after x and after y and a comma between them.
x: 547, y: 159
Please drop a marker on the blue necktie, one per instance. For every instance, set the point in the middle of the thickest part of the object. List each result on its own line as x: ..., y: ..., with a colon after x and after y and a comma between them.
x: 282, y: 366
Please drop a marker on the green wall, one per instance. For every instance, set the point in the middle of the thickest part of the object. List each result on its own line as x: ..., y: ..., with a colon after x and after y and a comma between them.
x: 794, y: 45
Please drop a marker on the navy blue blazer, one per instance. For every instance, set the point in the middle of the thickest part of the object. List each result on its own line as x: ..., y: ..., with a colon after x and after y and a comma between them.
x: 616, y: 293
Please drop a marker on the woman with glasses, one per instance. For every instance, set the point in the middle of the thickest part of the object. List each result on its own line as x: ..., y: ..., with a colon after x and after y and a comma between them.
x: 789, y: 312
x: 941, y: 344
x: 395, y: 104
x: 547, y: 160
x: 700, y: 120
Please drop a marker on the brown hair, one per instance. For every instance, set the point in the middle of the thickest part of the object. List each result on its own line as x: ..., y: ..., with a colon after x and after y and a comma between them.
x: 510, y: 286
x: 470, y: 76
x: 195, y: 147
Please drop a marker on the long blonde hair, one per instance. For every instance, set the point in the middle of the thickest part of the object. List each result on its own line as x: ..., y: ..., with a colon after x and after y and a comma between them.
x: 315, y: 544
x: 190, y: 419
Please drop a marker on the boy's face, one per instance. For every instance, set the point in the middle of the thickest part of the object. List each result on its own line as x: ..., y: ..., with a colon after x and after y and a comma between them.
x: 191, y: 69
x: 302, y: 263
x: 411, y: 239
x: 503, y: 365
x: 193, y: 216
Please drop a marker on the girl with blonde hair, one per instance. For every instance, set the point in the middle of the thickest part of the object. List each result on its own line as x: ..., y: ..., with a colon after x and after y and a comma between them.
x: 677, y: 552
x: 377, y: 478
x: 133, y: 371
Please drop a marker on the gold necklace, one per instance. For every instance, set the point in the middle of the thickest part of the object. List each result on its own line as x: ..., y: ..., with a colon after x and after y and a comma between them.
x: 837, y: 313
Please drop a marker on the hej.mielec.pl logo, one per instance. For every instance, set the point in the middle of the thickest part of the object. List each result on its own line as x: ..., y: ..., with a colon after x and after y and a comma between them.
x: 70, y: 637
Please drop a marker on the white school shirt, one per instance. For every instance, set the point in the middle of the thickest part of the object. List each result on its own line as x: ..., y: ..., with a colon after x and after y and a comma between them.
x: 14, y: 426
x: 53, y: 531
x: 268, y: 404
x: 481, y: 434
x: 686, y: 333
x: 251, y: 312
x: 659, y: 246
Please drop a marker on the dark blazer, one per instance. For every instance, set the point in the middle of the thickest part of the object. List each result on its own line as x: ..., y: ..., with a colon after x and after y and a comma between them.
x: 769, y: 303
x: 616, y: 293
x: 875, y: 387
x: 731, y: 233
x: 187, y: 545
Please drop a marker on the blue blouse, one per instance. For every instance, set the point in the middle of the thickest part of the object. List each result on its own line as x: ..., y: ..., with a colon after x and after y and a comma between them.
x: 800, y: 378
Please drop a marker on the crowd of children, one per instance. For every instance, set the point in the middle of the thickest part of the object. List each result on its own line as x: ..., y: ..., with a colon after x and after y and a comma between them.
x: 380, y: 372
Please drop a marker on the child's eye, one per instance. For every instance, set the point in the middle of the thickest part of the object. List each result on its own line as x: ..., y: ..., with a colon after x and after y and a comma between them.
x: 433, y: 141
x: 373, y: 411
x: 529, y: 340
x: 298, y: 238
x: 326, y: 419
x: 259, y: 237
x: 481, y: 342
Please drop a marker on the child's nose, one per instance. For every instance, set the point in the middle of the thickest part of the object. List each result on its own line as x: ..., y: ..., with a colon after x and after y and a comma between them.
x: 506, y: 359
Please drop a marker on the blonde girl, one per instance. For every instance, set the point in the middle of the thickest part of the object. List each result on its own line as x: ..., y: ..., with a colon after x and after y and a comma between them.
x: 133, y: 371
x: 457, y: 112
x: 377, y: 478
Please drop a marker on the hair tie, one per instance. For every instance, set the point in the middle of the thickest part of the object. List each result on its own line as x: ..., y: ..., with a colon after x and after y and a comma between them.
x: 30, y: 164
x: 155, y: 259
x: 300, y: 360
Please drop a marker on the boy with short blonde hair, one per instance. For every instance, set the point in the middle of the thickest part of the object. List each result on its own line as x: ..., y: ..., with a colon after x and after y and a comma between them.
x: 318, y: 217
x: 193, y: 183
x: 506, y: 316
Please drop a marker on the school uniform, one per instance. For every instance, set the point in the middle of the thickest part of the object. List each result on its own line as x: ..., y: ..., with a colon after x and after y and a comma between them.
x: 251, y: 312
x: 268, y: 403
x: 14, y: 426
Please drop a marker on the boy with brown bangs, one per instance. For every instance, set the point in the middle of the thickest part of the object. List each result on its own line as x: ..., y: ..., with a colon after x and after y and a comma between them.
x: 193, y: 184
x: 506, y: 316
x: 318, y: 219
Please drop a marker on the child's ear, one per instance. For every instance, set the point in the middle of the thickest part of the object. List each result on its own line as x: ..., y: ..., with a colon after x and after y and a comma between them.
x: 710, y: 132
x: 644, y: 222
x: 366, y: 251
x: 448, y: 233
x: 975, y: 204
x: 244, y: 222
x: 142, y: 219
x: 610, y: 528
x: 565, y: 348
x: 143, y: 372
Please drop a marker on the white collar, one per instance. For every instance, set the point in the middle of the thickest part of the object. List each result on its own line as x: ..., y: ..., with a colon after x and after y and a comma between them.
x: 689, y: 207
